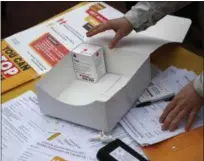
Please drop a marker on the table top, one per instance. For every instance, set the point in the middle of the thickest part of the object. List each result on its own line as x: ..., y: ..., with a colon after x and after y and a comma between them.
x: 185, y: 147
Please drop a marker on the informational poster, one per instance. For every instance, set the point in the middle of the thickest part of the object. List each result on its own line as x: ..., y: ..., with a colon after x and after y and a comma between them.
x: 36, y: 50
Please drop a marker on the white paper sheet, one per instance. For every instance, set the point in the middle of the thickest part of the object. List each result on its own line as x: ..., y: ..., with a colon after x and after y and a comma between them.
x: 21, y: 124
x: 48, y: 151
x: 24, y: 126
x: 143, y: 123
x: 154, y: 92
x: 85, y: 136
x: 174, y: 79
x: 166, y: 83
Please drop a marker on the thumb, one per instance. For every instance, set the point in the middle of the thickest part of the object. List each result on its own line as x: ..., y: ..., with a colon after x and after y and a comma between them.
x: 115, y: 40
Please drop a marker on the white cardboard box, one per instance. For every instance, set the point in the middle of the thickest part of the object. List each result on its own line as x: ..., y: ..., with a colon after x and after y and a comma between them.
x: 102, y: 105
x: 88, y: 62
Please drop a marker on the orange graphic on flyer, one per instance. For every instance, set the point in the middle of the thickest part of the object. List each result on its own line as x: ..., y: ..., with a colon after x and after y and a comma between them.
x: 49, y: 48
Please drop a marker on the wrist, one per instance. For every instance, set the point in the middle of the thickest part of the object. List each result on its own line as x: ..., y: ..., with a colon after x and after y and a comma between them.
x: 198, y: 86
x: 133, y: 20
x: 199, y: 97
x: 129, y: 23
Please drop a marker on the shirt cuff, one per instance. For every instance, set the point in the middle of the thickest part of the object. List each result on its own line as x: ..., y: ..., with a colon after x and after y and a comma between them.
x: 137, y: 19
x: 198, y: 85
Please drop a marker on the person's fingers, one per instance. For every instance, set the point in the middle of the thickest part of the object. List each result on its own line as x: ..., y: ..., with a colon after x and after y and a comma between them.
x: 166, y: 111
x: 191, y: 119
x: 94, y: 28
x: 176, y: 121
x: 115, y: 40
x: 100, y: 28
x: 171, y: 116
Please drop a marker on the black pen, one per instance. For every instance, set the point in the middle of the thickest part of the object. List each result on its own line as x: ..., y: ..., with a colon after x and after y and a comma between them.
x: 142, y: 104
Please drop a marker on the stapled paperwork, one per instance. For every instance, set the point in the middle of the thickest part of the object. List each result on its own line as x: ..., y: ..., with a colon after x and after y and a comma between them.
x: 49, y: 150
x: 26, y: 131
x: 143, y: 123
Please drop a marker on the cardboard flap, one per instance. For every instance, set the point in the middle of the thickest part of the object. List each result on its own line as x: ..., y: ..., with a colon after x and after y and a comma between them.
x: 123, y: 61
x: 133, y: 42
x: 56, y: 80
x: 169, y: 28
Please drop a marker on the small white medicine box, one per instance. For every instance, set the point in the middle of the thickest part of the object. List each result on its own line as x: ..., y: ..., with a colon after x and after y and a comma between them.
x: 99, y: 105
x: 88, y: 62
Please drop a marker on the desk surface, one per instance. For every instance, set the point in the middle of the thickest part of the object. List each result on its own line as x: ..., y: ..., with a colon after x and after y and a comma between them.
x: 187, y: 146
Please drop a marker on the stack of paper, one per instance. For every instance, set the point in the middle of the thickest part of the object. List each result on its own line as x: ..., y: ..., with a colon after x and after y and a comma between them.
x: 30, y: 136
x: 174, y: 79
x: 143, y: 123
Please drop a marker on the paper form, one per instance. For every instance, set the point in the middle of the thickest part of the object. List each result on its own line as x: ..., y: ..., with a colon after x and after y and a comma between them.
x: 143, y: 123
x: 167, y: 83
x: 19, y: 126
x: 24, y: 126
x: 174, y: 79
x: 84, y: 135
x: 164, y: 75
x: 170, y: 74
x: 51, y: 151
x: 163, y: 81
x: 154, y: 92
x: 22, y: 123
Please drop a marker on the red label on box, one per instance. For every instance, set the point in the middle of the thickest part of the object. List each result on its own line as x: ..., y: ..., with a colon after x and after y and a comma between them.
x: 97, y: 16
x: 49, y: 48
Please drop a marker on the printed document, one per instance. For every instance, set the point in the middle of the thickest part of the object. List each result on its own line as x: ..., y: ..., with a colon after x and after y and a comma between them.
x: 143, y: 123
x: 30, y: 135
x: 47, y: 150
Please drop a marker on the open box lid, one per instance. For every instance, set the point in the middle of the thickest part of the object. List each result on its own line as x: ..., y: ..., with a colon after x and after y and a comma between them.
x: 168, y: 29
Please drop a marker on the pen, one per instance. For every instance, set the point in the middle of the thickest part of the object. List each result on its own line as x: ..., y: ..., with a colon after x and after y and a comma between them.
x: 142, y: 104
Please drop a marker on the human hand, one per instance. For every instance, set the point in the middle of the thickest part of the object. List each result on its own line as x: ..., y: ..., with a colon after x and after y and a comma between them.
x: 121, y: 26
x: 186, y: 103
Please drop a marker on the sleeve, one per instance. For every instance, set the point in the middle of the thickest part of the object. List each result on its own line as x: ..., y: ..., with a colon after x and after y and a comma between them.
x: 198, y: 84
x: 146, y: 14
